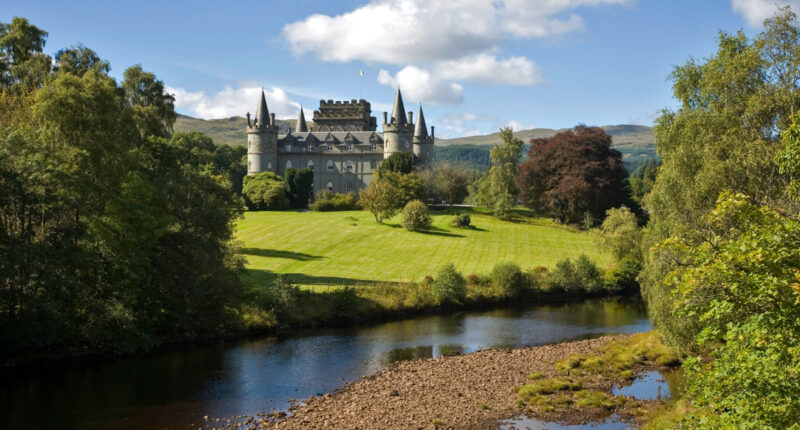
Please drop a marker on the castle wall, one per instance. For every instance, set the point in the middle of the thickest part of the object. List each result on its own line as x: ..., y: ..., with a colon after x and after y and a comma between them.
x: 363, y: 165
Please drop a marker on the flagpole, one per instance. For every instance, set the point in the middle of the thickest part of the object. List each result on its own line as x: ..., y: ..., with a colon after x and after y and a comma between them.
x: 360, y: 85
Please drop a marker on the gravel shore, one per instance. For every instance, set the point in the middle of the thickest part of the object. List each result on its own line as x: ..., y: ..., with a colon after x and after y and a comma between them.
x: 472, y: 391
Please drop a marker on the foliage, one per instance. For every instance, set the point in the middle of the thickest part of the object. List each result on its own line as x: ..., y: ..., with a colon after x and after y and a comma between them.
x: 589, y: 275
x: 450, y: 182
x: 622, y: 276
x: 416, y: 216
x: 382, y: 199
x: 221, y: 161
x: 498, y: 188
x: 399, y: 162
x: 573, y: 173
x: 410, y: 186
x: 461, y: 220
x: 283, y: 295
x: 152, y: 108
x: 508, y: 277
x: 643, y: 178
x: 723, y: 137
x: 582, y: 275
x: 78, y: 60
x: 327, y: 201
x: 298, y: 186
x: 265, y: 191
x: 620, y: 234
x: 21, y: 46
x: 448, y: 285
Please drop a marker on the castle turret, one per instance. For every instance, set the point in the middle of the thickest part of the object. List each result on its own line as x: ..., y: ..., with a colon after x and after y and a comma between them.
x: 422, y: 142
x: 262, y: 141
x: 301, y: 126
x: 398, y: 132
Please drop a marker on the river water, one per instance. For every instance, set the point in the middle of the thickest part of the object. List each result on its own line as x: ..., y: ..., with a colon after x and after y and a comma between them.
x: 177, y: 389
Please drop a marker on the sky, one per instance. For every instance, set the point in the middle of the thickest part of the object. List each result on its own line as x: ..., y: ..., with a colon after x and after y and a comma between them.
x: 474, y: 65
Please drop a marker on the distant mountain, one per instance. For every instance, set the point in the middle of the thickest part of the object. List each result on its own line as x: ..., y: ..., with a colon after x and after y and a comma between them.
x: 636, y: 142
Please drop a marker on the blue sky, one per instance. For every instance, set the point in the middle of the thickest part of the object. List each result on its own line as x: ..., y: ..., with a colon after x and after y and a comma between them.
x: 476, y: 65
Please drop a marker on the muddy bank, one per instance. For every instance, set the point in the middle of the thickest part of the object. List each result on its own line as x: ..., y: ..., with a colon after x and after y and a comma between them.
x: 472, y: 391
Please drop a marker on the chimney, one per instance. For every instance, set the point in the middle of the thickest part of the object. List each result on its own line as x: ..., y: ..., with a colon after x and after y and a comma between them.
x: 384, y: 117
x: 432, y: 127
x: 272, y: 118
x: 411, y: 117
x: 248, y: 119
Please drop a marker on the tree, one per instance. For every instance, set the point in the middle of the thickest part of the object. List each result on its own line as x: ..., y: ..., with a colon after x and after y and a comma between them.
x: 642, y: 179
x: 265, y: 191
x: 298, y: 186
x: 449, y: 285
x: 723, y: 137
x: 78, y: 60
x: 573, y: 173
x: 399, y: 162
x: 153, y: 108
x: 410, y: 186
x: 19, y: 42
x: 498, y: 188
x: 450, y: 182
x: 382, y: 199
x: 620, y: 234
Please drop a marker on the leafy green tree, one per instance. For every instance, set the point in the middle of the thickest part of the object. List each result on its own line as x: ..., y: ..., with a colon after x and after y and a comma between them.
x: 416, y: 216
x: 723, y: 137
x: 19, y: 42
x: 265, y: 191
x: 498, y: 188
x: 78, y: 60
x: 153, y: 109
x: 410, y: 186
x: 450, y: 182
x: 298, y: 186
x: 508, y: 277
x: 620, y: 234
x: 382, y: 199
x: 448, y: 285
x: 399, y: 162
x: 643, y: 178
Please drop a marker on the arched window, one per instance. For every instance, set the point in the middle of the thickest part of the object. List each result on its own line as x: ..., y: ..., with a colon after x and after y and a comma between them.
x: 330, y: 165
x: 349, y: 147
x: 329, y: 186
x: 349, y: 165
x: 288, y: 164
x: 311, y: 164
x: 269, y: 165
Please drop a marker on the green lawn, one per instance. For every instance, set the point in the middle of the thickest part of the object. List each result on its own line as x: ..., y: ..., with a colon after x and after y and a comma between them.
x: 350, y: 248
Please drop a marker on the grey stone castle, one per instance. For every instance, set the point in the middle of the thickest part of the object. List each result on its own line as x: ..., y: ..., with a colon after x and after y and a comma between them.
x: 344, y: 149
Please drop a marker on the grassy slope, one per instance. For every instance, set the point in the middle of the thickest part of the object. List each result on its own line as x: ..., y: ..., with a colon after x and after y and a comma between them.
x: 224, y: 131
x: 350, y: 248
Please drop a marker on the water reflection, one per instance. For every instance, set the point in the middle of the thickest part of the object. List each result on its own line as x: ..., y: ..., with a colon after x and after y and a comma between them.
x: 525, y: 423
x: 249, y: 376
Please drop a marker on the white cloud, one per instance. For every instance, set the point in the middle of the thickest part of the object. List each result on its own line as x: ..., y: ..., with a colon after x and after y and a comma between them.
x: 486, y: 68
x: 518, y: 126
x: 234, y: 102
x: 413, y: 31
x: 756, y: 11
x: 462, y: 124
x: 420, y: 85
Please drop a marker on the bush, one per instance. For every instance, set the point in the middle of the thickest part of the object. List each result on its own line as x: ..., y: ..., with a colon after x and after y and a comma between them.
x: 622, y: 277
x: 344, y: 302
x: 282, y: 294
x: 449, y: 285
x: 588, y: 274
x: 537, y: 277
x: 508, y: 277
x: 265, y: 191
x: 461, y: 220
x: 328, y: 201
x: 564, y: 277
x: 416, y: 216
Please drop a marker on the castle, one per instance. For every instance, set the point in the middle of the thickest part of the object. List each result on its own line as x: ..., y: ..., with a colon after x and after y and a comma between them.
x: 344, y: 150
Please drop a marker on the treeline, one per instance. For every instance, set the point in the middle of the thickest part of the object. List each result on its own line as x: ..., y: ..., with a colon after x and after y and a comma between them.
x: 114, y: 233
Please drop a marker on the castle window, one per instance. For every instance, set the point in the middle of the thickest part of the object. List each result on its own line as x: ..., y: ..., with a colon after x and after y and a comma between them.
x: 349, y: 166
x: 310, y: 147
x: 250, y: 165
x: 311, y: 164
x: 374, y: 146
x: 349, y: 147
x: 288, y: 148
x: 330, y: 186
x: 330, y: 165
x: 269, y: 165
x: 348, y: 188
x: 330, y: 146
x: 373, y: 164
x: 289, y: 164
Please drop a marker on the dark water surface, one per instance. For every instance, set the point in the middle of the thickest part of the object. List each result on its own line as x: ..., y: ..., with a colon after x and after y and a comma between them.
x: 176, y: 389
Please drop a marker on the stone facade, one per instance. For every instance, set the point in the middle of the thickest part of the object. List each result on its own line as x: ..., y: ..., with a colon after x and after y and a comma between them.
x: 344, y: 150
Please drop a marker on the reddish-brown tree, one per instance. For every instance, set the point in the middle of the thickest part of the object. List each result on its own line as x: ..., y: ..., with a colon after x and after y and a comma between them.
x: 573, y: 173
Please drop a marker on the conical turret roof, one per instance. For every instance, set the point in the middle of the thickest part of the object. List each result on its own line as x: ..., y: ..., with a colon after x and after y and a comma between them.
x: 301, y: 126
x: 262, y: 113
x: 399, y: 111
x: 421, y: 130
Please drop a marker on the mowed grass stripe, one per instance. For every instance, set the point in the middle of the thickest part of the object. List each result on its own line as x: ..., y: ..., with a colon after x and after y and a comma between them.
x: 348, y: 248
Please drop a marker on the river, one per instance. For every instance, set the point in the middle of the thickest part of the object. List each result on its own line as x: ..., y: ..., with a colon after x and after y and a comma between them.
x: 176, y: 389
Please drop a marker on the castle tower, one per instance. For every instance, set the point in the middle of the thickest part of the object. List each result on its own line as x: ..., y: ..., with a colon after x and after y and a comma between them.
x: 301, y: 126
x: 397, y: 132
x: 422, y: 143
x: 262, y: 140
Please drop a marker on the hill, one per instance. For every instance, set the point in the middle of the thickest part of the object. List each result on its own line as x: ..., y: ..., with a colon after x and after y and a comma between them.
x: 636, y: 142
x: 350, y: 248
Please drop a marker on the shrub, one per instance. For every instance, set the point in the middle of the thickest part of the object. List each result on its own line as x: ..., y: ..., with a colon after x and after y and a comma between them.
x: 461, y: 220
x: 328, y: 201
x: 620, y: 234
x: 537, y: 277
x: 508, y: 277
x: 588, y: 274
x: 265, y: 191
x: 344, y: 302
x: 564, y: 277
x: 283, y: 294
x: 416, y: 216
x: 449, y: 285
x: 622, y: 277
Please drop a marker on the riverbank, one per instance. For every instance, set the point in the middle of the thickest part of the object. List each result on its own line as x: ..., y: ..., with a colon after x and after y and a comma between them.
x: 472, y: 391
